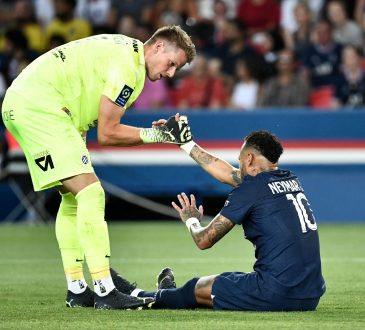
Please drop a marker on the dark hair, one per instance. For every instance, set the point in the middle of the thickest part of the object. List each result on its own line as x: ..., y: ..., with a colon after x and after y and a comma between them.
x: 17, y: 38
x: 266, y: 143
x: 72, y: 3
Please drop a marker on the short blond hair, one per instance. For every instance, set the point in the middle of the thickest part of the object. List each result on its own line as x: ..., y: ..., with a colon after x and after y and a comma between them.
x: 174, y: 34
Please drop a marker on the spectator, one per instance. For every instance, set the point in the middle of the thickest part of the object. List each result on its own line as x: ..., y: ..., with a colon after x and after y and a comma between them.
x: 44, y: 11
x: 287, y: 88
x: 6, y: 13
x: 209, y: 10
x: 259, y: 15
x: 233, y: 47
x: 322, y: 58
x: 345, y: 31
x: 26, y: 21
x: 299, y: 38
x: 95, y: 11
x: 3, y: 87
x: 216, y: 12
x: 172, y: 12
x: 266, y: 45
x: 141, y: 10
x: 16, y: 55
x: 245, y: 91
x: 350, y: 90
x: 199, y: 89
x: 288, y: 22
x: 154, y: 95
x: 65, y: 23
x: 55, y: 40
x: 127, y: 25
x: 359, y: 13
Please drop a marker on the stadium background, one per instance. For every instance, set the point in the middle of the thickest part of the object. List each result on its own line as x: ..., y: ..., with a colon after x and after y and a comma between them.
x: 323, y: 136
x: 324, y: 144
x: 325, y: 149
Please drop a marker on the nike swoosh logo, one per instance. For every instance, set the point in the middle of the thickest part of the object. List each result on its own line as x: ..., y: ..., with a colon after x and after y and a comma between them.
x: 79, y: 260
x: 107, y: 256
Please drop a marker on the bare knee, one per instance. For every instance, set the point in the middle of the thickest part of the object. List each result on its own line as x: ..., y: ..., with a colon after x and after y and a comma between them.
x: 203, y: 290
x: 78, y: 182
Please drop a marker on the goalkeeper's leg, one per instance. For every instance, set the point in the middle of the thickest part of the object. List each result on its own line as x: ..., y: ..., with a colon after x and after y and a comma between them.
x: 92, y: 233
x: 78, y: 293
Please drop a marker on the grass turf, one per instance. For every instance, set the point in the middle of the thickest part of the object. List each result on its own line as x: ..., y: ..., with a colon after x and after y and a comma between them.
x: 32, y: 284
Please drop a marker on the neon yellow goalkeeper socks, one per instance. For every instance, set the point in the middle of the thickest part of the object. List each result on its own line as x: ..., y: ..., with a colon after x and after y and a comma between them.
x: 67, y: 237
x: 93, y: 231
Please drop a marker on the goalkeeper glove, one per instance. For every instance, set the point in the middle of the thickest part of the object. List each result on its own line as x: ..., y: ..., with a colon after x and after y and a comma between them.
x: 177, y: 132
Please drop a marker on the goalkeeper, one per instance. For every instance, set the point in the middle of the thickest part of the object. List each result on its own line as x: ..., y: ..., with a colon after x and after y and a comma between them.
x: 50, y: 107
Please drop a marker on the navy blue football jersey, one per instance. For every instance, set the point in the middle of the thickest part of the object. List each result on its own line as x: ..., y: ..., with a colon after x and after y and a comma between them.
x: 276, y: 217
x: 323, y: 65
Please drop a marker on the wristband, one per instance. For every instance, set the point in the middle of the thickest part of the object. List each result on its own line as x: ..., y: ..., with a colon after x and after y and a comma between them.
x: 192, y: 221
x: 187, y: 147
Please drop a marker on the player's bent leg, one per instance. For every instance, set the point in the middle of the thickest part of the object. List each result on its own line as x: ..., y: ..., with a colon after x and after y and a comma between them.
x: 203, y: 290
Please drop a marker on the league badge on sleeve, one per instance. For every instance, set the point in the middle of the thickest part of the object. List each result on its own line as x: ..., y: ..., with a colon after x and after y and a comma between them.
x: 124, y: 96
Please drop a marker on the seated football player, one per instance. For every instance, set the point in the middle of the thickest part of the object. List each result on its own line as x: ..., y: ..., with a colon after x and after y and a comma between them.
x: 273, y: 210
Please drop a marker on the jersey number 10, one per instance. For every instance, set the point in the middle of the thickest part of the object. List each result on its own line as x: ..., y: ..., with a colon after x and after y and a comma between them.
x: 302, y: 210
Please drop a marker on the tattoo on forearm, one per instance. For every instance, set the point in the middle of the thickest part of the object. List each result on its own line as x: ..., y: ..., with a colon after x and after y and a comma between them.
x: 214, y: 231
x: 236, y: 176
x: 201, y: 157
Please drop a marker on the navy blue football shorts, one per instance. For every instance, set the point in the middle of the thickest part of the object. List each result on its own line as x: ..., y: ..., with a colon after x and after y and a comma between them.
x: 242, y: 292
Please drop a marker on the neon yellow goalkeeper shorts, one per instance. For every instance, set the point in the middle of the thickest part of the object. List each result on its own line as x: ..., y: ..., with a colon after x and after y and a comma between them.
x: 54, y: 148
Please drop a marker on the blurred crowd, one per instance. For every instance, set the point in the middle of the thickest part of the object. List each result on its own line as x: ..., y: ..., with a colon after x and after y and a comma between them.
x: 251, y: 54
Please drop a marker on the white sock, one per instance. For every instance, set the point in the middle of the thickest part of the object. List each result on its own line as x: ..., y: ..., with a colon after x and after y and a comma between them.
x: 103, y: 286
x: 77, y: 286
x: 135, y: 292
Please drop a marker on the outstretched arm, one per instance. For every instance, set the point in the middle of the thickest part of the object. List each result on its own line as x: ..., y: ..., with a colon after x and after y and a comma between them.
x: 112, y: 133
x: 204, y: 237
x: 216, y: 167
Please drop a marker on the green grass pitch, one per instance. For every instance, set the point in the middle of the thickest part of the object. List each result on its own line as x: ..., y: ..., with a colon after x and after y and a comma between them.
x: 33, y: 288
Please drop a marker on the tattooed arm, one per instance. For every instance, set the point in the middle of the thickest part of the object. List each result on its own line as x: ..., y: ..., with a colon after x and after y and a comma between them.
x: 216, y: 167
x: 204, y: 237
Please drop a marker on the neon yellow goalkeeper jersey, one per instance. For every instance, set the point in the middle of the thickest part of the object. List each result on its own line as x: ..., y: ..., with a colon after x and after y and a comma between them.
x: 73, y: 77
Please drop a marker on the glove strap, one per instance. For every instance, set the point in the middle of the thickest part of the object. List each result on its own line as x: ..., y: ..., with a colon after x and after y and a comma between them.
x: 152, y: 135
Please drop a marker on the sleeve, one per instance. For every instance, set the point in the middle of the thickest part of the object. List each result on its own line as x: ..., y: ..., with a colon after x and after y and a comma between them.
x: 239, y: 202
x: 121, y: 85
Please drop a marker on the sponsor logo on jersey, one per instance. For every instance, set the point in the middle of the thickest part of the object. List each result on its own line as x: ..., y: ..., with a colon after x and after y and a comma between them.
x: 135, y: 45
x: 44, y: 161
x: 124, y: 96
x: 58, y: 53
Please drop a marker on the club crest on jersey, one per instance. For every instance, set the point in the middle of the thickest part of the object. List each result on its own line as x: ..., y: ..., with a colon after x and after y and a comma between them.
x: 84, y: 159
x: 124, y: 96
